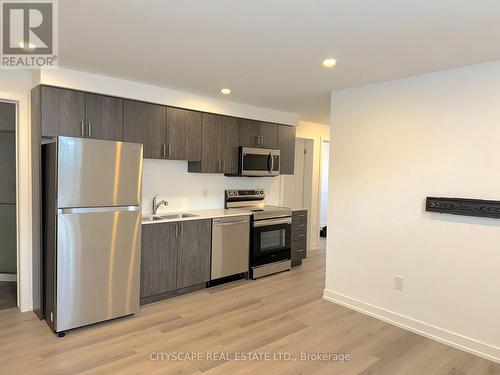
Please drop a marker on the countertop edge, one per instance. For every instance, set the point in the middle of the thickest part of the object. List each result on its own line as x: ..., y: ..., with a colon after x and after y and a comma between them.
x: 201, y: 215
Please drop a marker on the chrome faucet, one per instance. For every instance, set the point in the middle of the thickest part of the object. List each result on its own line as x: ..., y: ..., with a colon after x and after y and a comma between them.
x: 157, y: 205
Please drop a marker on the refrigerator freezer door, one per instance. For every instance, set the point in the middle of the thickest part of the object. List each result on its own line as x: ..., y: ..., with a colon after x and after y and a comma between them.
x: 95, y: 173
x: 98, y: 265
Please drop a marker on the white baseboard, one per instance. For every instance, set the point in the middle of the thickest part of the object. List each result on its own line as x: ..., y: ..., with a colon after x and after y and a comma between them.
x: 444, y: 336
x: 8, y: 277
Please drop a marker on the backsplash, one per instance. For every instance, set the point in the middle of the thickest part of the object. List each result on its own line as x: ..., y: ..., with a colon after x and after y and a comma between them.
x: 195, y: 191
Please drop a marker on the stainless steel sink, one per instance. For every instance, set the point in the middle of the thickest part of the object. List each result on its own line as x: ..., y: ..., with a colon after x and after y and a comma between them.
x: 177, y: 216
x: 152, y: 218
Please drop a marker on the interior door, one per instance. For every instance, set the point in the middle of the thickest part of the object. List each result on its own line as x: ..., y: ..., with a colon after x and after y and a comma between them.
x: 98, y: 265
x: 95, y: 173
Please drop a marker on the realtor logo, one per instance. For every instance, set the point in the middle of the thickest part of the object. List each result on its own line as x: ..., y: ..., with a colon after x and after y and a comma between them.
x: 29, y: 34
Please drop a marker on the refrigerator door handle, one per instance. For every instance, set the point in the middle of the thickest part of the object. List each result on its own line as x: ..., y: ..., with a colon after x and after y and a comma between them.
x: 82, y: 210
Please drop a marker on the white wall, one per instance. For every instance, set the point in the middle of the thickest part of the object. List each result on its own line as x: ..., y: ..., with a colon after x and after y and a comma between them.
x: 393, y: 144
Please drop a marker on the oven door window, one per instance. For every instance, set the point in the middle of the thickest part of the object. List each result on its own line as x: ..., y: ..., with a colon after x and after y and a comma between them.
x: 272, y: 240
x: 268, y: 239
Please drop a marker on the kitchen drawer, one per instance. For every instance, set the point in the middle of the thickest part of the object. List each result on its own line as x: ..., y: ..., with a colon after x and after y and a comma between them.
x: 299, y: 235
x: 299, y: 215
x: 299, y: 250
x: 299, y: 225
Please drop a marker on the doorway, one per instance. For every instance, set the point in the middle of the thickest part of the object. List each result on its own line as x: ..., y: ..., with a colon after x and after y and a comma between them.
x: 296, y: 189
x: 323, y: 191
x: 8, y: 206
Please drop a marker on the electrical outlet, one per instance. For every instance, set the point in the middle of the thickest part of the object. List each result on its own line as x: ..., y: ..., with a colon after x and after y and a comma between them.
x: 398, y: 283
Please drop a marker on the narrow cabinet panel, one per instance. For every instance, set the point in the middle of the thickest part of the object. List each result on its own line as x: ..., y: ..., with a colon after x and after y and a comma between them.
x: 229, y: 145
x: 249, y: 133
x: 145, y: 123
x: 183, y: 134
x: 193, y: 262
x: 286, y: 145
x: 211, y: 161
x: 62, y: 112
x: 104, y: 117
x: 268, y: 135
x: 158, y: 258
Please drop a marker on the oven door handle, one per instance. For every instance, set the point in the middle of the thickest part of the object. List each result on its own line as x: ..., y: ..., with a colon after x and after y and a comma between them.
x: 266, y: 223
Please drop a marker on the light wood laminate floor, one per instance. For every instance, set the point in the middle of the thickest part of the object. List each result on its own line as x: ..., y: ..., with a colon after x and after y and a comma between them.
x: 282, y: 313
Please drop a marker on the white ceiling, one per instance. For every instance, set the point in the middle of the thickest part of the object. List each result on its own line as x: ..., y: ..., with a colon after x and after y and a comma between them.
x: 269, y: 52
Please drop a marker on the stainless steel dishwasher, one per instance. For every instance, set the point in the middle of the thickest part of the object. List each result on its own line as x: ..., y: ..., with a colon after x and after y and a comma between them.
x: 230, y: 246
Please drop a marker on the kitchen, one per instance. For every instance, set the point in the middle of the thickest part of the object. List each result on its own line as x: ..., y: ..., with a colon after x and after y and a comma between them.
x: 180, y: 252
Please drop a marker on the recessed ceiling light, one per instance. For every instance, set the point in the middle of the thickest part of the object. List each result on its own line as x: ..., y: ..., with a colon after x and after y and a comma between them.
x: 225, y: 91
x: 329, y: 63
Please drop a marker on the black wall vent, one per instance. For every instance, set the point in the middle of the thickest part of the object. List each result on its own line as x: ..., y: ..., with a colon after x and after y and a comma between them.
x: 467, y: 207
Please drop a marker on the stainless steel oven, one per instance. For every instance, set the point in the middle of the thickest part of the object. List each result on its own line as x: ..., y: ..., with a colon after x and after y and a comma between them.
x: 271, y: 242
x: 259, y: 162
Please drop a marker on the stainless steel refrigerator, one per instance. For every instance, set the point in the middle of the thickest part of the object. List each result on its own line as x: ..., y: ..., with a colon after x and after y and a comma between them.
x: 91, y: 230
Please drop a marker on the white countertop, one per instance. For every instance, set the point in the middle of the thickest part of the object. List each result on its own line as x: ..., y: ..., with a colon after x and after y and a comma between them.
x: 200, y: 215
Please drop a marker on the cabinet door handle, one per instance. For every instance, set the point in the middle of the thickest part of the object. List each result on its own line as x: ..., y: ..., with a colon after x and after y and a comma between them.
x: 164, y: 151
x: 181, y: 226
x: 300, y: 235
x: 300, y: 251
x: 257, y: 140
x: 219, y: 167
x: 169, y: 151
x: 224, y: 165
x: 262, y: 140
x: 176, y: 230
x: 90, y: 129
x: 82, y: 128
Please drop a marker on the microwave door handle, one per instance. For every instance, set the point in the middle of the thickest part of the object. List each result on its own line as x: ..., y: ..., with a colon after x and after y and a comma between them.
x: 270, y: 162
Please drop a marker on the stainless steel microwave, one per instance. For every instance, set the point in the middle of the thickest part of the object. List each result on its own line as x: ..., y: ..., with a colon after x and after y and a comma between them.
x: 258, y: 162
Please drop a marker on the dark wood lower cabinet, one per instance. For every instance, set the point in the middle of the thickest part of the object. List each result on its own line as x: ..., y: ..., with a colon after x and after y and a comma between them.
x: 175, y: 258
x: 194, y: 253
x: 158, y: 259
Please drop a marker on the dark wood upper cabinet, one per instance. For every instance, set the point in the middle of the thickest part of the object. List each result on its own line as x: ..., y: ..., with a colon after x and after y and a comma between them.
x: 229, y: 145
x: 249, y: 133
x: 286, y: 145
x: 183, y: 134
x: 193, y: 260
x: 268, y: 135
x: 104, y: 117
x: 62, y: 112
x: 158, y: 258
x: 145, y: 123
x: 211, y: 149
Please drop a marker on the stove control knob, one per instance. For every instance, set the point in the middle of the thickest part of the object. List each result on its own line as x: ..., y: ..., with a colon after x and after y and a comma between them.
x: 262, y: 192
x: 230, y: 193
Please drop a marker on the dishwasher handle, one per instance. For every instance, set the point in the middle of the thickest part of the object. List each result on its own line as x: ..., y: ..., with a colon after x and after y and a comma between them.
x: 226, y: 222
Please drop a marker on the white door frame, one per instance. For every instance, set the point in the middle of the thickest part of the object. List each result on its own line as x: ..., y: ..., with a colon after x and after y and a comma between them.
x: 321, y: 142
x: 23, y: 198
